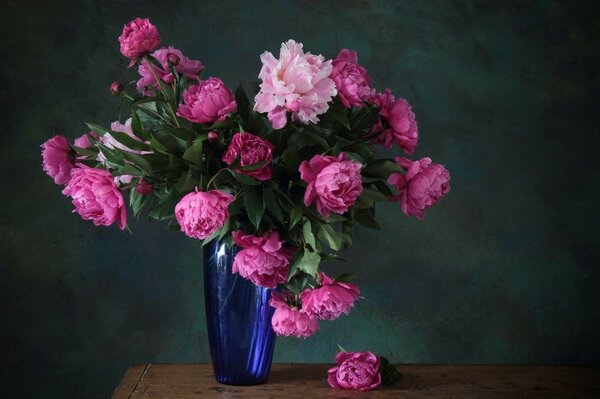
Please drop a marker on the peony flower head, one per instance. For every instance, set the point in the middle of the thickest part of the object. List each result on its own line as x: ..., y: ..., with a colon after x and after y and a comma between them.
x: 398, y: 125
x: 289, y: 321
x: 330, y: 300
x: 423, y: 184
x: 139, y: 37
x: 191, y: 69
x: 109, y: 141
x: 84, y: 140
x: 351, y: 79
x: 297, y: 82
x: 144, y: 187
x: 207, y: 102
x: 96, y: 196
x: 252, y: 150
x: 359, y: 371
x: 263, y: 260
x: 116, y: 88
x: 334, y: 183
x: 57, y: 159
x: 201, y: 213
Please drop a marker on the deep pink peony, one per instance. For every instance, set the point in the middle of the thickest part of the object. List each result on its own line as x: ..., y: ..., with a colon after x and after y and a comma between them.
x: 138, y: 38
x: 330, y: 300
x: 289, y: 320
x: 333, y: 182
x: 423, y: 184
x: 355, y: 370
x: 96, y: 196
x: 351, y: 79
x: 207, y: 102
x: 202, y: 213
x: 252, y: 150
x: 57, y: 159
x: 297, y: 82
x: 144, y: 187
x: 263, y: 260
x: 191, y: 69
x: 399, y: 124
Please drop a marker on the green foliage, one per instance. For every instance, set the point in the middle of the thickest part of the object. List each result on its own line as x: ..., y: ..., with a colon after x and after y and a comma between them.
x: 389, y: 373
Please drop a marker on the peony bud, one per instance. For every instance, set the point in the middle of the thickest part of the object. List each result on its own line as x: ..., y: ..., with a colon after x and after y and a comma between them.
x: 173, y: 59
x: 116, y: 88
x: 213, y: 136
x: 143, y: 187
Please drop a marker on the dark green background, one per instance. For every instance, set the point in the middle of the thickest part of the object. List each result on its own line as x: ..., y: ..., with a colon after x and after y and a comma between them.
x: 504, y: 270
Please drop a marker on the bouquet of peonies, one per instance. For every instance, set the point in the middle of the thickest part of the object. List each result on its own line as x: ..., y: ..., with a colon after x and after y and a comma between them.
x: 283, y: 168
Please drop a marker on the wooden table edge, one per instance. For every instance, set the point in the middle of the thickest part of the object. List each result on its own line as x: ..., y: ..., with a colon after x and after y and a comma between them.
x: 130, y: 380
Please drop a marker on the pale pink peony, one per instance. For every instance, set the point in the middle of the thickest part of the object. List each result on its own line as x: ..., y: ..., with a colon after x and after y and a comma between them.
x: 359, y: 371
x: 96, y: 196
x: 289, y: 320
x: 252, y: 150
x: 263, y: 260
x: 330, y: 300
x: 84, y: 140
x: 57, y: 159
x: 201, y: 213
x: 110, y: 142
x: 297, y: 82
x: 207, y: 102
x: 423, y: 184
x: 351, y: 79
x: 333, y: 182
x: 139, y: 37
x: 398, y: 125
x: 191, y: 69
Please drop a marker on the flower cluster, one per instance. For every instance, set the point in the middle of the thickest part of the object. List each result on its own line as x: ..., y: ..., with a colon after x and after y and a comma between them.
x: 283, y: 171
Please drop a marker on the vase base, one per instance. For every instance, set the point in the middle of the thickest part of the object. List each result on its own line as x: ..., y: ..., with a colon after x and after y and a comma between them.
x: 239, y: 382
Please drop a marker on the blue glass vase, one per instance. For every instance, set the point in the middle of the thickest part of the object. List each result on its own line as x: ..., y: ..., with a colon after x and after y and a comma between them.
x: 238, y: 316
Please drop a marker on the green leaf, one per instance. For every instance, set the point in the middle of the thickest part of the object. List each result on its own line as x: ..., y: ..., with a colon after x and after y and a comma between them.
x: 381, y: 168
x: 137, y: 127
x: 309, y: 263
x: 327, y: 234
x: 254, y: 204
x: 366, y: 217
x: 294, y: 263
x: 373, y: 195
x: 340, y: 348
x: 309, y: 237
x: 253, y: 167
x: 194, y: 153
x: 139, y: 161
x: 243, y: 179
x: 389, y: 373
x: 243, y: 104
x: 339, y: 113
x: 273, y: 205
x: 295, y: 215
x: 128, y: 141
x: 345, y: 277
x: 172, y: 143
x: 186, y: 182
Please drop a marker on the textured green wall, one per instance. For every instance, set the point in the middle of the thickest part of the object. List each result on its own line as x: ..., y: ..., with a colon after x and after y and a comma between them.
x: 504, y: 270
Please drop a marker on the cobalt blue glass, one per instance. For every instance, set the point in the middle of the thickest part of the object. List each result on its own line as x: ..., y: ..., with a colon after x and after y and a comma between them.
x: 239, y: 320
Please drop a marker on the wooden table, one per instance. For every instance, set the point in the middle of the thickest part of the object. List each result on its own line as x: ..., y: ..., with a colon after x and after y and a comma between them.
x: 305, y: 381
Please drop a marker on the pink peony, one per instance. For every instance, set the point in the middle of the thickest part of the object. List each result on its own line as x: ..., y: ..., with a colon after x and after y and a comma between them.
x: 143, y: 187
x: 207, y: 102
x: 110, y: 142
x: 289, y: 320
x: 191, y: 69
x: 84, y: 140
x: 330, y: 300
x: 252, y: 150
x: 423, y: 184
x: 351, y: 79
x: 400, y: 123
x: 333, y: 182
x: 202, y: 213
x: 263, y: 260
x: 355, y: 370
x: 297, y: 82
x: 116, y: 88
x: 57, y: 159
x: 96, y: 196
x: 138, y: 38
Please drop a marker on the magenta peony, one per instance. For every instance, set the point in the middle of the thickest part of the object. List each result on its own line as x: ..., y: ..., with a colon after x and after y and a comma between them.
x: 297, y: 82
x: 355, y: 370
x: 263, y: 260
x: 207, y: 102
x: 330, y: 300
x: 423, y: 184
x: 57, y: 159
x: 333, y: 182
x: 202, y: 213
x: 351, y: 79
x: 139, y: 37
x: 96, y: 196
x: 143, y: 187
x: 191, y: 69
x: 400, y: 123
x: 116, y: 88
x: 289, y: 321
x: 252, y: 150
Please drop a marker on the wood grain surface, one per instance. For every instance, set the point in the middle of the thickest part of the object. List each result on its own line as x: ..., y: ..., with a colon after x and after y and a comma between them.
x: 303, y: 381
